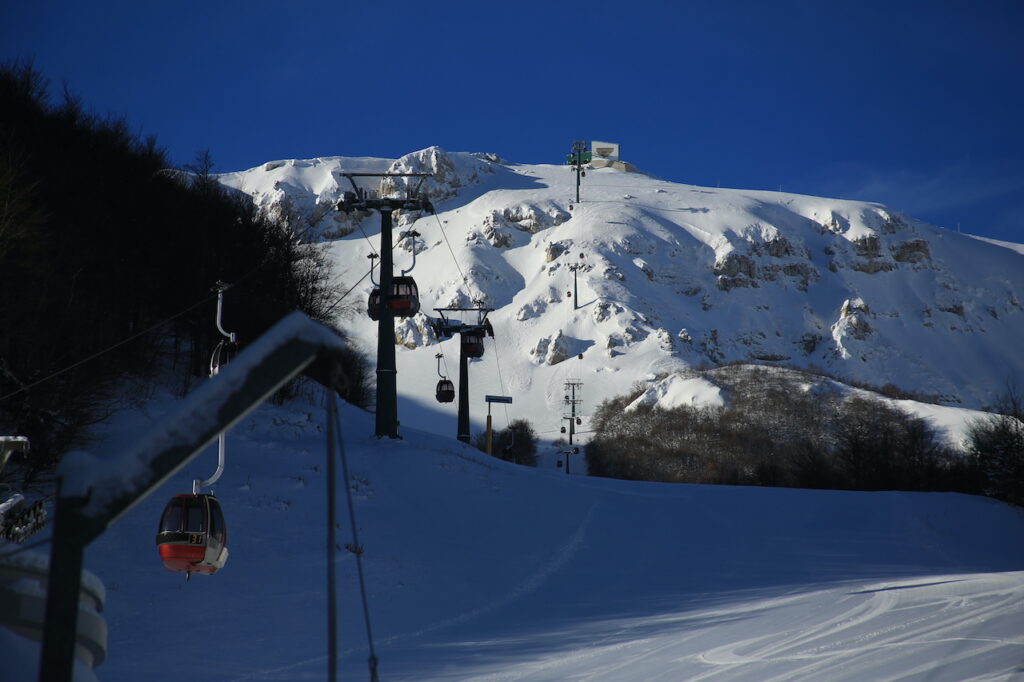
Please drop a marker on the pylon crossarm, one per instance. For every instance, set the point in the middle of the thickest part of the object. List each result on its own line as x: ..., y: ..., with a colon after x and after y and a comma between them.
x: 357, y: 199
x: 456, y: 327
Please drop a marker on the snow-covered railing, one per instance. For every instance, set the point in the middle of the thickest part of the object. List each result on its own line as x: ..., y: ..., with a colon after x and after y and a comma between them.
x: 94, y: 493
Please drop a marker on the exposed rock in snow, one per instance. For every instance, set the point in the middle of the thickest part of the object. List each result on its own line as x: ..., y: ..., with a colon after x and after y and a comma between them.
x: 448, y: 173
x: 709, y: 346
x: 531, y: 310
x: 777, y: 246
x: 552, y: 350
x: 558, y: 349
x: 553, y: 251
x: 735, y: 270
x: 415, y: 331
x: 644, y: 268
x: 410, y: 243
x: 634, y: 334
x: 604, y: 310
x: 665, y: 340
x: 911, y: 251
x: 852, y: 324
x: 530, y: 218
x: 868, y: 246
x: 808, y: 343
x: 495, y: 235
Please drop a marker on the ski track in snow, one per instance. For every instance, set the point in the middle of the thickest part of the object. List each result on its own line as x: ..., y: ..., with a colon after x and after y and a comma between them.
x: 866, y: 628
x: 566, y: 553
x: 568, y: 550
x: 819, y: 648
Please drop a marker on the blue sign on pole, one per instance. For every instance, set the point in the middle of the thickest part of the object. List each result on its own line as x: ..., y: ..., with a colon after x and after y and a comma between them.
x: 498, y: 399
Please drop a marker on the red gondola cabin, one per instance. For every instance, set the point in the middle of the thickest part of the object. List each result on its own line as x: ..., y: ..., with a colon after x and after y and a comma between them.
x: 193, y: 537
x: 404, y: 300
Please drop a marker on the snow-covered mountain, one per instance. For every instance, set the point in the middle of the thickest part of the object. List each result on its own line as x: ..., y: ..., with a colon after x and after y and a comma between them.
x: 672, y: 277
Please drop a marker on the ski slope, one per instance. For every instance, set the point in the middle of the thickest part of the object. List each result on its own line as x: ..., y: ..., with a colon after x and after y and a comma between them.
x: 482, y: 570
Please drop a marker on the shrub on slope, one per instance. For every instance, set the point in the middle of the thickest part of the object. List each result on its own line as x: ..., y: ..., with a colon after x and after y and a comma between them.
x: 773, y: 432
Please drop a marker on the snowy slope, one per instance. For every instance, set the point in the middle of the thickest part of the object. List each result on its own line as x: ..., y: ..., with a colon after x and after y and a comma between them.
x: 481, y: 570
x: 675, y: 277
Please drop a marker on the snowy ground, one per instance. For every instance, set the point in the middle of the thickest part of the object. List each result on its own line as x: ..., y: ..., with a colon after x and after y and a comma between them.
x: 481, y: 570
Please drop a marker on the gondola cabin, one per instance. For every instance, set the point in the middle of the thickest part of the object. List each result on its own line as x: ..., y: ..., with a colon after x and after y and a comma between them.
x: 192, y: 537
x: 473, y: 343
x: 373, y: 305
x: 404, y: 300
x: 445, y: 391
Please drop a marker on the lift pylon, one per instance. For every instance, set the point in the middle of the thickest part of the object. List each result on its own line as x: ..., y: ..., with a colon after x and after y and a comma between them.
x: 359, y: 199
x: 471, y: 345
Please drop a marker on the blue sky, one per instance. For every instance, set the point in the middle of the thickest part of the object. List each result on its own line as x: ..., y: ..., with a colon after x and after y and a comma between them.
x: 914, y: 104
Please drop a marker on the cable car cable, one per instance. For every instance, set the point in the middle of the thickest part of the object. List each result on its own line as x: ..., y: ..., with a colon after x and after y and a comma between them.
x: 350, y: 290
x: 465, y: 280
x: 131, y: 338
x: 107, y: 349
x: 501, y: 382
x: 365, y: 236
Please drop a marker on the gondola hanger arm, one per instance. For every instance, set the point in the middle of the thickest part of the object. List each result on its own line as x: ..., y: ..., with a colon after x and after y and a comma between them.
x: 373, y: 263
x: 411, y: 234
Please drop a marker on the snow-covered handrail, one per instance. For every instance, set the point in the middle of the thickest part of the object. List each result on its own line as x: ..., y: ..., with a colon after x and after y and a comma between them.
x: 94, y: 493
x: 107, y: 489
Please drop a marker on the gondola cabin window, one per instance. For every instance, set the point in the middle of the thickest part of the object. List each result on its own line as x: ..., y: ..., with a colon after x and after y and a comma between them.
x: 217, y: 529
x: 171, y: 521
x: 196, y: 516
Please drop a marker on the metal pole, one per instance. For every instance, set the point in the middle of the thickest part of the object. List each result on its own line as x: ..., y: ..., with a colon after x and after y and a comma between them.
x: 575, y: 291
x: 578, y: 147
x: 387, y: 381
x: 575, y: 267
x: 332, y: 590
x: 572, y: 420
x: 579, y: 166
x: 57, y: 658
x: 463, y: 426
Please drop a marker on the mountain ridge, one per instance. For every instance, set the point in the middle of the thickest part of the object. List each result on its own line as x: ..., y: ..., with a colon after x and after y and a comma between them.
x: 673, y: 277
